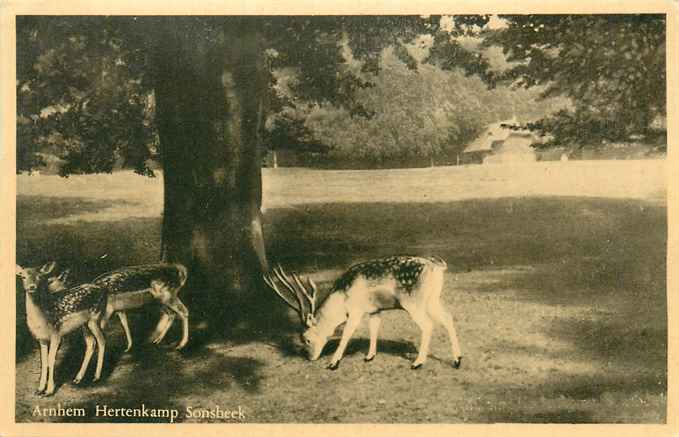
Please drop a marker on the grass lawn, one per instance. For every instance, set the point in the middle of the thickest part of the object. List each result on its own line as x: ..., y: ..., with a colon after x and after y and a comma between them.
x: 558, y: 292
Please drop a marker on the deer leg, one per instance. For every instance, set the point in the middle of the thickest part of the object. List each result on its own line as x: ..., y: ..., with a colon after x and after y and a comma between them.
x: 178, y: 307
x: 352, y: 323
x: 164, y: 324
x: 101, y: 346
x: 55, y: 341
x: 426, y: 326
x: 442, y: 316
x: 89, y: 350
x: 43, y: 367
x: 106, y: 316
x: 374, y: 321
x: 123, y: 322
x: 162, y: 294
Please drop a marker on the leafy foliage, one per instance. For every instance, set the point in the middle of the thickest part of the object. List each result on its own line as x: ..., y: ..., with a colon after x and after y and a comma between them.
x: 423, y: 113
x: 83, y: 82
x: 288, y: 130
x: 84, y: 92
x: 80, y: 96
x: 611, y: 66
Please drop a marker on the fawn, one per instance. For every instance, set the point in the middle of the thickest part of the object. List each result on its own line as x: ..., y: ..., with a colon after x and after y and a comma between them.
x: 410, y: 283
x: 133, y: 287
x: 51, y: 316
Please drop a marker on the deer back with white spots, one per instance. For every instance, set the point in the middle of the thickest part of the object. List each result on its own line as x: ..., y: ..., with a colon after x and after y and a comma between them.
x: 136, y: 286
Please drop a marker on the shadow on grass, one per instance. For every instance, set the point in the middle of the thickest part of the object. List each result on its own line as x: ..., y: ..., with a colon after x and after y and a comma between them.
x: 606, y: 255
x: 156, y: 375
x: 41, y: 209
x: 554, y: 416
x: 359, y: 346
x: 468, y: 234
x: 602, y: 254
x: 159, y: 378
x: 606, y: 390
x: 87, y: 248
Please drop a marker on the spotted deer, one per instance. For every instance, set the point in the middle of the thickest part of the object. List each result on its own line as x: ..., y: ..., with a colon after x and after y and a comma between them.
x: 410, y: 283
x: 51, y: 316
x: 136, y: 286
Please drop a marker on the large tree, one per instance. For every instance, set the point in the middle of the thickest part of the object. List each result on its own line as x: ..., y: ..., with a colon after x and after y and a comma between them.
x: 91, y: 87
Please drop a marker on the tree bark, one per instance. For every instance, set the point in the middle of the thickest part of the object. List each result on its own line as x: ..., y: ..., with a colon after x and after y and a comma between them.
x: 209, y: 92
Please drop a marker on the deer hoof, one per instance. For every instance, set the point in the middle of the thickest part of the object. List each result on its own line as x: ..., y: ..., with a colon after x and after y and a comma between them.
x: 39, y: 392
x: 77, y: 381
x: 415, y: 366
x: 457, y: 363
x: 369, y: 359
x: 333, y: 366
x: 181, y: 345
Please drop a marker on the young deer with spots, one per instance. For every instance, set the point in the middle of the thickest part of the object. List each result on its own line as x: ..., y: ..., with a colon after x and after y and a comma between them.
x: 410, y: 283
x: 51, y: 316
x: 136, y: 286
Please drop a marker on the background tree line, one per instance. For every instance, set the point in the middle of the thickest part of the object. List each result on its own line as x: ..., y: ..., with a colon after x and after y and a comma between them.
x: 581, y: 80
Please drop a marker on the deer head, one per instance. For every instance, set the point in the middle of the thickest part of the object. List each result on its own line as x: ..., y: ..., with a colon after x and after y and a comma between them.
x: 32, y: 278
x: 300, y: 295
x: 59, y: 283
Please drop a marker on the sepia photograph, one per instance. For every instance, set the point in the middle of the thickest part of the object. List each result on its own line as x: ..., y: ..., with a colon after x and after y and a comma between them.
x: 340, y: 219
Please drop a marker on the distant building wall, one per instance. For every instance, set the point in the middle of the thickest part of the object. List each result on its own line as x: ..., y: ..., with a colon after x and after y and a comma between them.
x: 476, y: 157
x: 516, y: 148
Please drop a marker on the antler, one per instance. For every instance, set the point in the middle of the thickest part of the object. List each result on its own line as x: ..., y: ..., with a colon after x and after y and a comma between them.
x: 271, y: 282
x: 310, y: 295
x: 297, y: 289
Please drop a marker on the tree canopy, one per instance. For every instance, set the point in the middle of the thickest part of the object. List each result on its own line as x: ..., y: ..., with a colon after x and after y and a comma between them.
x: 85, y: 92
x: 612, y: 67
x: 84, y: 83
x: 419, y: 114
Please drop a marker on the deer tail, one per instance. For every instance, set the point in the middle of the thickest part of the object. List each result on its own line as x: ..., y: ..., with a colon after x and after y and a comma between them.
x: 439, y: 262
x: 183, y: 274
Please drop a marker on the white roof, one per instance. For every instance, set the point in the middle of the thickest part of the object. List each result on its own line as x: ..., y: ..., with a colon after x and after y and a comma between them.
x: 493, y: 133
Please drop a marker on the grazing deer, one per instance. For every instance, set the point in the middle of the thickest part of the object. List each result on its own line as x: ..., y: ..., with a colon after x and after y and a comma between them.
x: 133, y: 287
x: 136, y: 286
x: 51, y: 316
x: 399, y: 282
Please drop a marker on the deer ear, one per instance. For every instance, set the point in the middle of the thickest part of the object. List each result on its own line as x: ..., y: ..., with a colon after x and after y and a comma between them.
x: 47, y: 268
x: 64, y: 275
x: 19, y: 270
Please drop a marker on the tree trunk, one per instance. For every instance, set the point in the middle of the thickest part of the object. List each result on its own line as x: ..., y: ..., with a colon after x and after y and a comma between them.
x: 209, y: 93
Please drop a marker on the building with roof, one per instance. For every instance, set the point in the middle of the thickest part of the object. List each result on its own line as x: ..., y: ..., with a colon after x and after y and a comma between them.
x: 500, y: 144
